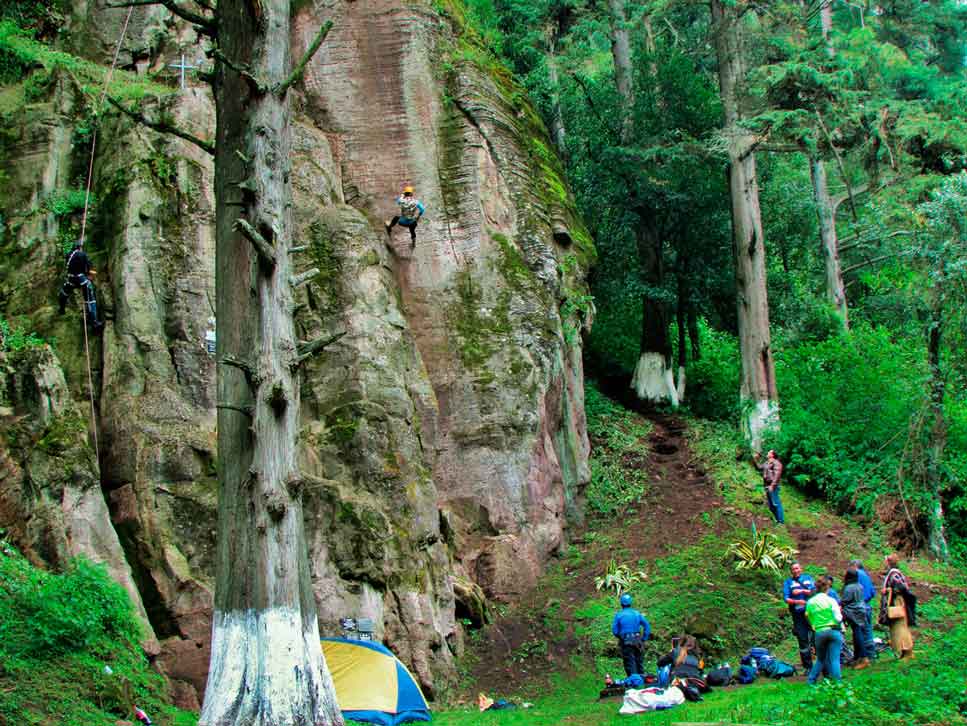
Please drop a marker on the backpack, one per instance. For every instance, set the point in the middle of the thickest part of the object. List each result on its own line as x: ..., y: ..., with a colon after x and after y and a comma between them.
x: 720, y: 676
x: 664, y: 675
x: 747, y: 674
x: 691, y: 693
x: 782, y: 670
x: 767, y: 665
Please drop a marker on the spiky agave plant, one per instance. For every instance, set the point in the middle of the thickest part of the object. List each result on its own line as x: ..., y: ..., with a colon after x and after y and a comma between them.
x: 763, y: 552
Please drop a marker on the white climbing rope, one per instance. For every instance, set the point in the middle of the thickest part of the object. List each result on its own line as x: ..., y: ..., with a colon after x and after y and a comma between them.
x: 85, y: 305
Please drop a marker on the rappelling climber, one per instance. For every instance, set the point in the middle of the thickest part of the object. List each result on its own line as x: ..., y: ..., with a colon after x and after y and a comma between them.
x: 411, y: 209
x: 79, y: 273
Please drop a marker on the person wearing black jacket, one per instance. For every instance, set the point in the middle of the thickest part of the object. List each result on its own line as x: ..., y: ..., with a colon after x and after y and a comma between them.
x: 79, y: 276
x: 683, y: 659
x: 856, y: 612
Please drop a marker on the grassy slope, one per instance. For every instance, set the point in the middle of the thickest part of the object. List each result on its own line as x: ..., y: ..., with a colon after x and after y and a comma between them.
x: 691, y: 589
x: 58, y: 631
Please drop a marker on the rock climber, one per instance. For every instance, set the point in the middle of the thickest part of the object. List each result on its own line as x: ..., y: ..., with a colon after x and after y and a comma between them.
x: 411, y: 210
x: 796, y: 590
x: 631, y: 629
x: 79, y: 273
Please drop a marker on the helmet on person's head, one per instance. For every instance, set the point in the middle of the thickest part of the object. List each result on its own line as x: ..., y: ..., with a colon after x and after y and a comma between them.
x: 625, y: 600
x: 407, y: 190
x: 78, y: 242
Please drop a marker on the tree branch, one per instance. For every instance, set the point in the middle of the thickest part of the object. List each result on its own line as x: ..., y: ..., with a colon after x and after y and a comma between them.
x: 205, y: 25
x: 880, y: 238
x: 262, y: 246
x: 867, y: 263
x: 300, y: 248
x: 300, y: 67
x: 839, y: 163
x: 162, y: 127
x: 244, y: 71
x: 308, y: 348
x: 303, y: 278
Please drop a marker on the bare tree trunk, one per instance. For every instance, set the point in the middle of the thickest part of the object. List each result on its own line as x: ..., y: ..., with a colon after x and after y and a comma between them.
x: 680, y: 319
x: 826, y: 23
x: 266, y: 667
x: 653, y: 380
x: 758, y: 390
x: 558, y: 132
x: 695, y: 343
x: 936, y: 539
x: 835, y: 289
x: 621, y: 53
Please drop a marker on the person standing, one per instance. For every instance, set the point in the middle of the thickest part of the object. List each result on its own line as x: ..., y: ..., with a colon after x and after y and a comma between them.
x: 796, y: 590
x: 771, y: 473
x: 631, y: 629
x: 826, y: 620
x: 856, y: 611
x: 898, y: 608
x: 869, y: 592
x: 411, y: 211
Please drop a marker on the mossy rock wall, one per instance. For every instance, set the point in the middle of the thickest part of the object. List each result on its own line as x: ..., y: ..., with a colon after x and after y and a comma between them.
x: 443, y: 428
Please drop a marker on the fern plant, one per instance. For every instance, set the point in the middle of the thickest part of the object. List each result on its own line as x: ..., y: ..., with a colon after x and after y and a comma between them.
x: 619, y: 578
x: 763, y: 552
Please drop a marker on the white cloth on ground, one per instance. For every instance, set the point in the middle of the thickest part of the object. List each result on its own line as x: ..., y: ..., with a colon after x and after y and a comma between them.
x: 651, y: 699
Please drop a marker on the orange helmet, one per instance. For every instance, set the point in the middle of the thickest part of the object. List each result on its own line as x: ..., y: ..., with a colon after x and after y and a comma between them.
x: 407, y: 190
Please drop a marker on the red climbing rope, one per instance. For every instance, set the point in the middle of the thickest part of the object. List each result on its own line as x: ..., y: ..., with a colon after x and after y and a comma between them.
x: 85, y: 306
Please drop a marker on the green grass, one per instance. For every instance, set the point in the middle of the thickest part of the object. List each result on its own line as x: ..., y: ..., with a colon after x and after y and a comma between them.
x: 58, y: 632
x: 928, y: 690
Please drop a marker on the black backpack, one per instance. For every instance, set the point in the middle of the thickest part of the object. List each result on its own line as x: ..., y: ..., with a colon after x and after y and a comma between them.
x: 720, y: 676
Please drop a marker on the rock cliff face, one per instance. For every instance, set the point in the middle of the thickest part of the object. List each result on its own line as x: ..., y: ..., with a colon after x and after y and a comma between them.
x: 443, y: 427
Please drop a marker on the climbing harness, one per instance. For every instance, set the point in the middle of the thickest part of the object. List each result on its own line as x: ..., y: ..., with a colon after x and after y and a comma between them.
x: 87, y: 200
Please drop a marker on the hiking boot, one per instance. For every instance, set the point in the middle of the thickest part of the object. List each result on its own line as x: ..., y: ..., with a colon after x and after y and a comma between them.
x: 861, y: 664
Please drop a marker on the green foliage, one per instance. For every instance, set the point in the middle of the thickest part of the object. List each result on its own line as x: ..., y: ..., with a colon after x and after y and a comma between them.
x: 57, y: 634
x: 762, y: 552
x: 619, y: 578
x: 15, y: 337
x: 618, y: 437
x: 67, y: 202
x: 713, y: 379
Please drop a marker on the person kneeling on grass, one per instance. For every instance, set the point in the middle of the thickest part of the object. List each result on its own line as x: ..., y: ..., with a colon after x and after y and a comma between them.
x: 824, y: 616
x: 684, y: 658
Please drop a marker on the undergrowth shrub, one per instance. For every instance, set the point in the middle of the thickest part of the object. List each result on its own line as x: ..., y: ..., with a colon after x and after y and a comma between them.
x: 713, y: 380
x: 618, y: 451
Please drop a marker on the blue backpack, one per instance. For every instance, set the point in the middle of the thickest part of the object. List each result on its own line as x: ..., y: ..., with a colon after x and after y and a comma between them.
x: 747, y: 674
x: 782, y: 670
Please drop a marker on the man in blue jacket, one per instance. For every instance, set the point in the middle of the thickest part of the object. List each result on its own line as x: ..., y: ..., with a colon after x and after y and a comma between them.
x: 869, y: 592
x: 796, y: 590
x: 631, y: 629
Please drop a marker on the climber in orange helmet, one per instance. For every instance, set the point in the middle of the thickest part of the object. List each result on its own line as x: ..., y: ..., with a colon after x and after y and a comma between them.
x: 411, y: 209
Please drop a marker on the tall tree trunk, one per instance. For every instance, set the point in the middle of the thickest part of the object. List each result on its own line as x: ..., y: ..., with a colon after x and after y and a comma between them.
x: 936, y: 539
x: 621, y: 53
x: 758, y: 389
x: 653, y: 380
x: 835, y: 289
x: 558, y: 132
x: 695, y: 343
x: 680, y: 319
x: 266, y: 667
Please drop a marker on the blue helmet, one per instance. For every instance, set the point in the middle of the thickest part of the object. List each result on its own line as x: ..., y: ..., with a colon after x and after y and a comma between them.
x: 625, y: 600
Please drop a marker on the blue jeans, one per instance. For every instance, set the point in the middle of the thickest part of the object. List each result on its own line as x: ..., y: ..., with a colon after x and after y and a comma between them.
x: 863, y: 639
x: 829, y: 644
x: 775, y: 504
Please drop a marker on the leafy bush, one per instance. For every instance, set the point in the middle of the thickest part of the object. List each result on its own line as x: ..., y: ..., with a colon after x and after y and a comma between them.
x: 619, y: 578
x: 14, y: 337
x: 66, y: 202
x: 762, y: 552
x: 713, y: 380
x: 44, y: 614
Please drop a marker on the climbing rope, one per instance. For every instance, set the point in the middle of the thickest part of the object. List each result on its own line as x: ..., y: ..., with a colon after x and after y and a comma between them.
x: 85, y: 304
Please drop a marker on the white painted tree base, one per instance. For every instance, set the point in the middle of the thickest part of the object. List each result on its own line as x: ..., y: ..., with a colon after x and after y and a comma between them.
x: 654, y: 381
x: 763, y: 416
x: 281, y: 655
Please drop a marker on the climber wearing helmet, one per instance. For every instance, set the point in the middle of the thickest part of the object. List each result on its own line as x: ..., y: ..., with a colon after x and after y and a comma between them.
x: 631, y: 629
x: 411, y: 209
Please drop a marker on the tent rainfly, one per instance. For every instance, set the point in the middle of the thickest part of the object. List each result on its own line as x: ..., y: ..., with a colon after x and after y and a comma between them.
x: 371, y: 683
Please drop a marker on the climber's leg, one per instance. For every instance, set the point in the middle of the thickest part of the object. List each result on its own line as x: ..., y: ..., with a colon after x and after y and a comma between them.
x: 391, y: 224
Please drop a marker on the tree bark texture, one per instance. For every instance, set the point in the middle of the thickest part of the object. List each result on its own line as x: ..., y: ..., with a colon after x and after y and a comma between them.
x: 267, y: 667
x: 936, y: 538
x: 621, y: 53
x: 758, y: 388
x: 653, y: 379
x: 835, y: 289
x: 558, y: 132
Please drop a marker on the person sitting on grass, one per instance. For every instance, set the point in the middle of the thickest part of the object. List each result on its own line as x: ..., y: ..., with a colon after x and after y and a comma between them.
x: 826, y: 620
x: 684, y: 658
